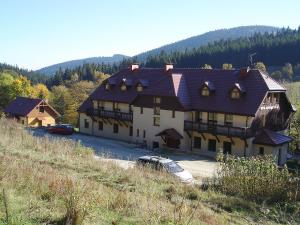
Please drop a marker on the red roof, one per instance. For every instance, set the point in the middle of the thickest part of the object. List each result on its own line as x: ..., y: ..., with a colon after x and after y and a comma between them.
x: 185, y: 84
x: 268, y: 137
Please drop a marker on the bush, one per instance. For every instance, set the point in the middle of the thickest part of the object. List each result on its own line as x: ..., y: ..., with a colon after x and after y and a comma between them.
x: 256, y: 178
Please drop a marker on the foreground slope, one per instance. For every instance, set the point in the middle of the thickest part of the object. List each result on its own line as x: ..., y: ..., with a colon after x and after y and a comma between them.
x: 55, y: 181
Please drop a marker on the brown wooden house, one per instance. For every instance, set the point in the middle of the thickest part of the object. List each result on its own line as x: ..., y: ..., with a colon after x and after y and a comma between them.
x: 32, y: 112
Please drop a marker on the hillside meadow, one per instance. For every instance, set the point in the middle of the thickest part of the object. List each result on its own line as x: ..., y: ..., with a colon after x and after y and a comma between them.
x: 56, y: 181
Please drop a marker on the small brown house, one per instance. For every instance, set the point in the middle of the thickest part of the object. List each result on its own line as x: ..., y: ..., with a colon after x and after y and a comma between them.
x: 32, y: 112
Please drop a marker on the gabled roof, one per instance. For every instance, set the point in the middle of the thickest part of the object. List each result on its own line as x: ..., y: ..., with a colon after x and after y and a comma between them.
x: 184, y: 84
x: 22, y: 106
x: 268, y: 137
x: 170, y: 133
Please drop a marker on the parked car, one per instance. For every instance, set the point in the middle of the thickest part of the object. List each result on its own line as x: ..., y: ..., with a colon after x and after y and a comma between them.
x: 160, y: 163
x: 66, y: 129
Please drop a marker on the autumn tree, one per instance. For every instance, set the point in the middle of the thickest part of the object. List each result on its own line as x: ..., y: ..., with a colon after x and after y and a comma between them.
x: 227, y: 66
x: 277, y: 75
x: 260, y: 66
x: 287, y: 70
x: 40, y: 91
x: 21, y: 87
x: 6, y: 93
x: 206, y: 66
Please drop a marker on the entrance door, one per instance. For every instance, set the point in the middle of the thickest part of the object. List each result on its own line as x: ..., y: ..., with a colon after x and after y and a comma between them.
x: 40, y: 123
x: 173, y: 143
x: 226, y: 147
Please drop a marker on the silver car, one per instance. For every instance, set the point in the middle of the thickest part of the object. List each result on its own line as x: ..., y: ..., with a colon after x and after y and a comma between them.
x: 168, y: 165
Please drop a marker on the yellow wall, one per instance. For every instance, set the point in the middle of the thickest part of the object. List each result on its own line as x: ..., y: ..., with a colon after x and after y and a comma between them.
x: 34, y: 122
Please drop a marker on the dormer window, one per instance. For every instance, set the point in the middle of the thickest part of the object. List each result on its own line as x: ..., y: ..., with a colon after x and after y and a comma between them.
x: 235, y: 94
x: 139, y: 88
x: 123, y: 87
x: 107, y: 86
x: 205, y: 91
x: 207, y: 88
x: 237, y: 91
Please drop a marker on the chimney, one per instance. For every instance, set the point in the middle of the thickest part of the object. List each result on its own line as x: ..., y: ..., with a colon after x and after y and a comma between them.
x: 134, y: 66
x: 168, y: 67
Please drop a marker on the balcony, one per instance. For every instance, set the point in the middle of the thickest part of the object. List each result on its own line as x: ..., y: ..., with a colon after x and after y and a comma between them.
x: 241, y: 132
x: 107, y: 114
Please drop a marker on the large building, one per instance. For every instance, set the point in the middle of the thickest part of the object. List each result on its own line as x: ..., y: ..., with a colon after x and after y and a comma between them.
x: 31, y: 112
x: 241, y: 112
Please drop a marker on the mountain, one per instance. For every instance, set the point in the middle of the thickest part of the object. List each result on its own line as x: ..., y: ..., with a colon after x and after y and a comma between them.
x: 50, y: 70
x: 209, y: 37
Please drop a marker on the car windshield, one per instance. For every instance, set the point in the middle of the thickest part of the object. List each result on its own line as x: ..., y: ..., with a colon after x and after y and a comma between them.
x: 173, y: 167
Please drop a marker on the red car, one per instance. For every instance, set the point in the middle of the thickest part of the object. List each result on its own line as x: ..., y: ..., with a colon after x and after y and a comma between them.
x: 66, y: 129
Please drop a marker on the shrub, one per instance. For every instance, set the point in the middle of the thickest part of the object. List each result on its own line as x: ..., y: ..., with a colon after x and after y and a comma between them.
x: 256, y: 178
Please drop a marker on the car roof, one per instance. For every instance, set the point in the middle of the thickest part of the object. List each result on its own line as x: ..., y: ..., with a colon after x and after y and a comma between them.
x: 156, y: 159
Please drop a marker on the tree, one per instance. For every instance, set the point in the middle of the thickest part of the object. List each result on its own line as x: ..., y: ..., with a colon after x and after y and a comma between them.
x: 287, y: 70
x: 60, y: 99
x: 40, y: 91
x: 6, y: 93
x: 227, y: 66
x: 277, y: 75
x: 297, y: 69
x: 261, y: 66
x: 206, y: 66
x: 21, y: 87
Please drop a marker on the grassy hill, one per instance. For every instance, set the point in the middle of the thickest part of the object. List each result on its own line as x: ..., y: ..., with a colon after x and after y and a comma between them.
x: 53, y: 181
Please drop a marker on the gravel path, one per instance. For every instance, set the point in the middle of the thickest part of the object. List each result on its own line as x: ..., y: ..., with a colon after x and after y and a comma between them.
x: 124, y: 154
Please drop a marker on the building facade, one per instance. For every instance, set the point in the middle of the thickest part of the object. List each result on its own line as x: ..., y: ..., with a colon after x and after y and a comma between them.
x: 31, y: 112
x: 241, y: 112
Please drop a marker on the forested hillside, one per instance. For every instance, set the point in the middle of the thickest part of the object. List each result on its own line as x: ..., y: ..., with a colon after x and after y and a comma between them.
x: 209, y: 37
x: 274, y: 49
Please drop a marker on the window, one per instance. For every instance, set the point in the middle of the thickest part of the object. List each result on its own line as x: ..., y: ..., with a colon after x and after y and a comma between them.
x: 123, y: 87
x: 261, y: 150
x: 235, y: 94
x: 130, y: 108
x: 213, y: 117
x: 116, y: 106
x: 107, y: 87
x: 101, y: 105
x: 173, y: 114
x: 198, y: 116
x: 212, y: 145
x: 197, y: 142
x: 156, y: 110
x: 144, y: 134
x: 228, y: 120
x: 137, y: 132
x: 156, y: 121
x: 41, y: 109
x: 100, y: 125
x: 141, y: 110
x: 116, y: 128
x: 86, y: 123
x: 23, y: 122
x: 139, y: 88
x: 130, y: 131
x: 157, y: 100
x: 205, y: 91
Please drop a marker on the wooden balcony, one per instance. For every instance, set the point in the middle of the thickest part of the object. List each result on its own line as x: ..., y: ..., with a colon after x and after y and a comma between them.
x: 215, y: 129
x: 107, y: 114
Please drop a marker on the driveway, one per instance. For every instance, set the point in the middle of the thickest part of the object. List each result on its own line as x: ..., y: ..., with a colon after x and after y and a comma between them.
x: 125, y: 154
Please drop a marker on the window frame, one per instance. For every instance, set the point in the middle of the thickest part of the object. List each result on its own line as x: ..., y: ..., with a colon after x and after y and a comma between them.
x: 86, y: 124
x: 156, y: 121
x: 156, y: 110
x: 205, y: 91
x: 115, y: 128
x: 236, y: 92
x: 228, y: 122
x: 197, y: 144
x: 173, y: 114
x: 100, y: 125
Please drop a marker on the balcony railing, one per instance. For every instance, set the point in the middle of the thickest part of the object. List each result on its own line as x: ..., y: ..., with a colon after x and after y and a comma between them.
x: 117, y: 115
x: 241, y: 132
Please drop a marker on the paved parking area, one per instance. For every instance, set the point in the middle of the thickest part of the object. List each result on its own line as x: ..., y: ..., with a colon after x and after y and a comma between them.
x: 124, y: 154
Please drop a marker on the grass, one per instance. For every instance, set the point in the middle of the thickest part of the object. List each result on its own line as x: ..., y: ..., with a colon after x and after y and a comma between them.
x: 60, y: 182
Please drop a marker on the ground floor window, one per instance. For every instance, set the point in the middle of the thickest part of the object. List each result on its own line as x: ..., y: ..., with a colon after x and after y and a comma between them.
x: 116, y: 128
x: 226, y: 147
x: 212, y: 145
x: 137, y: 132
x: 86, y: 123
x: 261, y: 150
x: 144, y: 134
x: 197, y: 142
x: 100, y: 125
x: 130, y: 131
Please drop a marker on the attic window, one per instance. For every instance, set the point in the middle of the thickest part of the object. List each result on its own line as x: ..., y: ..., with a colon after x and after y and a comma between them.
x: 139, y: 88
x: 123, y: 87
x: 235, y: 93
x: 205, y: 91
x: 107, y: 86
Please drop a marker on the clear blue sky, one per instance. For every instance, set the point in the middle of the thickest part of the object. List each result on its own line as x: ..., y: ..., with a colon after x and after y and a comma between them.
x: 38, y: 33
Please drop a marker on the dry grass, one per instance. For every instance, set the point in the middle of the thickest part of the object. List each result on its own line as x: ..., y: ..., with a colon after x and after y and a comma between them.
x: 60, y: 182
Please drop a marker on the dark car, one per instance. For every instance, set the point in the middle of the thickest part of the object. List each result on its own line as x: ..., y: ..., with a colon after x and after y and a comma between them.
x: 65, y: 129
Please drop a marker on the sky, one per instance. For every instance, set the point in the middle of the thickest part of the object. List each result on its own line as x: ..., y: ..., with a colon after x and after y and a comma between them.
x: 39, y: 33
